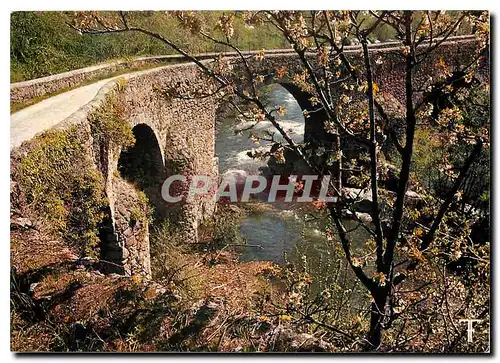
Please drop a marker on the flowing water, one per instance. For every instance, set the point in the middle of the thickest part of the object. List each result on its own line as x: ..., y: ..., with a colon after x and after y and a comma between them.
x: 232, y: 148
x: 278, y: 228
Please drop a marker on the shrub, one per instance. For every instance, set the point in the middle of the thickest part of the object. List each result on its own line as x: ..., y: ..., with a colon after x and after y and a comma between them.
x: 108, y: 124
x: 62, y: 186
x: 173, y: 263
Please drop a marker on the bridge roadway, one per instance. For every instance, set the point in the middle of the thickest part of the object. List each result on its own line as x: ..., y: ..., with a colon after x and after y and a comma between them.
x: 28, y: 122
x: 46, y: 114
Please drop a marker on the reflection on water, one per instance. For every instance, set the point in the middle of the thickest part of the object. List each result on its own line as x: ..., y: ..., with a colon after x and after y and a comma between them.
x: 283, y: 229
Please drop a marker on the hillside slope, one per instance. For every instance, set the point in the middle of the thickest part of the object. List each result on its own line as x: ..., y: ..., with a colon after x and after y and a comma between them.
x: 43, y: 44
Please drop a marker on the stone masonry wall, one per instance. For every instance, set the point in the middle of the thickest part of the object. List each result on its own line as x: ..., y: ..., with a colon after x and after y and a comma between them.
x: 387, y: 64
x: 27, y: 90
x: 131, y: 247
x: 185, y: 131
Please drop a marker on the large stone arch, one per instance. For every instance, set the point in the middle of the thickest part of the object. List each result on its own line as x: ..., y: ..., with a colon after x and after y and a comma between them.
x: 144, y: 164
x: 133, y: 170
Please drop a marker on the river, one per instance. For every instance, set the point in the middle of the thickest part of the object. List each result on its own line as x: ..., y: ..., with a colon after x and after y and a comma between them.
x: 284, y: 231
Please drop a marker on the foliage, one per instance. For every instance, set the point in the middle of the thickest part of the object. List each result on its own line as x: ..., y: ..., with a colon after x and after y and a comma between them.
x: 62, y: 186
x: 43, y: 44
x: 324, y: 305
x: 109, y: 126
x: 223, y: 229
x: 171, y: 262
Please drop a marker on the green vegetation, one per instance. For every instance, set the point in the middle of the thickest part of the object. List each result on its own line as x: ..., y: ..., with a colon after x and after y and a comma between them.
x: 108, y: 126
x: 62, y: 186
x: 60, y: 182
x: 223, y: 230
x: 171, y: 260
x: 170, y: 255
x: 42, y: 43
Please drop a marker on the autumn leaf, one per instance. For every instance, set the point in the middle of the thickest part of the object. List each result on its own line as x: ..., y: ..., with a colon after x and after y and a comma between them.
x: 260, y: 56
x: 314, y: 100
x: 357, y: 262
x: 259, y: 79
x: 281, y: 72
x: 285, y: 317
x: 318, y: 204
x: 225, y: 24
x: 281, y: 110
x: 254, y: 138
x: 381, y: 278
x: 363, y: 87
x: 280, y: 156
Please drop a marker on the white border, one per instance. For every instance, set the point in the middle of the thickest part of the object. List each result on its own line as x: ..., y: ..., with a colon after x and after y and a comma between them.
x: 8, y: 7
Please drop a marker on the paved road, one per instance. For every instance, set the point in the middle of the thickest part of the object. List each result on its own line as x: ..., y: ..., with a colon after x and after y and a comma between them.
x: 41, y: 116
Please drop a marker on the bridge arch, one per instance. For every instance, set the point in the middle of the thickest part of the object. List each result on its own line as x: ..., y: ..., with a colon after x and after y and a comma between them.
x: 144, y: 164
x: 314, y: 117
x: 315, y: 131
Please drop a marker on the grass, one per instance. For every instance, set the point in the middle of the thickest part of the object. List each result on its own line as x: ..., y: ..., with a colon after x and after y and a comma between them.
x: 41, y: 42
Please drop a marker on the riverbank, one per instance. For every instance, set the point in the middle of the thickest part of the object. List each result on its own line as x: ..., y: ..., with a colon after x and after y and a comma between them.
x: 54, y: 305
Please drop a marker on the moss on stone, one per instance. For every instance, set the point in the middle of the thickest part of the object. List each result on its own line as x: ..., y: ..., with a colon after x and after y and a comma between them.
x: 147, y: 209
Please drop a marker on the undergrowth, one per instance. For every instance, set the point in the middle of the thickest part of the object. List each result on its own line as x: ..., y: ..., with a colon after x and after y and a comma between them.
x: 108, y: 124
x: 62, y: 186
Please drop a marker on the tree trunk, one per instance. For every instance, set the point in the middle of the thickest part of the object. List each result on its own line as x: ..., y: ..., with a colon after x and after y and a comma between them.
x: 338, y: 163
x: 374, y: 337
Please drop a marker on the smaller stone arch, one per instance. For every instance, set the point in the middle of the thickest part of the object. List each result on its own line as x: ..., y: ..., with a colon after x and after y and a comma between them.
x: 314, y: 119
x: 316, y: 133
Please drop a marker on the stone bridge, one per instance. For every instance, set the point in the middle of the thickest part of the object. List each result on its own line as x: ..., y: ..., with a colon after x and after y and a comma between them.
x: 175, y: 135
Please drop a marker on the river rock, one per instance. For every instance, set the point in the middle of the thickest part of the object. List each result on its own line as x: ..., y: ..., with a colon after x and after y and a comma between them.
x: 364, y: 217
x: 363, y: 199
